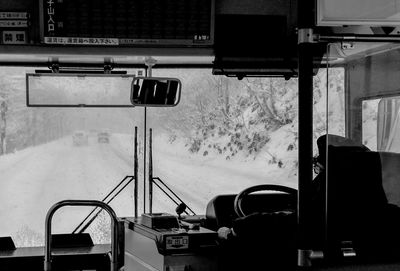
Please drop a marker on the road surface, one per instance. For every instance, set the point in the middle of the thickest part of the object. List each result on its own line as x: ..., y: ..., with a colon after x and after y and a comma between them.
x: 32, y: 180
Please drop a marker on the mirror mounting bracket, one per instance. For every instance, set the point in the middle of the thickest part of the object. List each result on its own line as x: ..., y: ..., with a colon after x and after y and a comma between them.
x: 55, y: 67
x: 150, y: 62
x: 107, y: 69
x: 108, y: 66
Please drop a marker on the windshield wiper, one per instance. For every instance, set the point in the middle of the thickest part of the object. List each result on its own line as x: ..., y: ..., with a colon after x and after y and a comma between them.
x: 107, y: 199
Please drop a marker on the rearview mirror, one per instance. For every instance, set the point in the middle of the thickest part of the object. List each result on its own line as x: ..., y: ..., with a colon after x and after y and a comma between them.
x: 156, y: 91
x: 78, y: 90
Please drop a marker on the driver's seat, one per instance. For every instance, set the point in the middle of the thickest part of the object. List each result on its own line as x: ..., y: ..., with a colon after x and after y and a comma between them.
x: 265, y: 243
x: 220, y: 210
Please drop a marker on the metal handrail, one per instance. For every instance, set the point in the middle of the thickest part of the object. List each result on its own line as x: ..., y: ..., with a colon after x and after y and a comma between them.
x: 100, y: 204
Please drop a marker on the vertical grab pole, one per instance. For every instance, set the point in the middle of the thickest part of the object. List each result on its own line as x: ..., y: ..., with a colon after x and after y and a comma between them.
x: 305, y: 153
x: 149, y: 62
x: 306, y: 47
x: 136, y: 169
x: 151, y: 171
x: 144, y: 159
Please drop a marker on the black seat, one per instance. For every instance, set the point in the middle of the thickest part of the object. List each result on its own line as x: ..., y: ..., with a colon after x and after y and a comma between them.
x: 357, y: 207
x: 220, y: 212
x: 7, y: 243
x: 265, y: 240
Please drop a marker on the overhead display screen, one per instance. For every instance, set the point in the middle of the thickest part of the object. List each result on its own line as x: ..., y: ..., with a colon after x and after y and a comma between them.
x: 358, y: 12
x: 127, y: 22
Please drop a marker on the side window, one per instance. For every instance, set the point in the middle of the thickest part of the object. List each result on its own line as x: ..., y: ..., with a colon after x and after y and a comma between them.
x: 381, y: 124
x: 369, y: 123
x: 388, y: 125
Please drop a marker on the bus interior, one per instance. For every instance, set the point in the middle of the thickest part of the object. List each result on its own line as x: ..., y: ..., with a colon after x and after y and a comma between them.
x: 199, y: 135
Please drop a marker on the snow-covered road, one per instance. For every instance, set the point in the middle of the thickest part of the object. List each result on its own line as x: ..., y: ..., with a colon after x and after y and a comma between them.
x: 32, y: 180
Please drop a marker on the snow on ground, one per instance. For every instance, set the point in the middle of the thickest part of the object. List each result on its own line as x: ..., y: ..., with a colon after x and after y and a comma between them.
x: 197, y: 179
x: 206, y: 177
x: 33, y: 179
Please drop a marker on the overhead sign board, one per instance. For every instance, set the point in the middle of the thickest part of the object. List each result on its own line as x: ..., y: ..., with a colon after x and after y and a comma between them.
x: 80, y: 41
x: 358, y: 12
x: 12, y: 19
x: 13, y: 23
x: 13, y: 27
x: 14, y: 37
x: 128, y: 22
x: 13, y: 15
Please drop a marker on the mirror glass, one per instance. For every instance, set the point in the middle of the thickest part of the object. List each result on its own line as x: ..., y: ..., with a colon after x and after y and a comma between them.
x: 156, y: 91
x: 78, y: 90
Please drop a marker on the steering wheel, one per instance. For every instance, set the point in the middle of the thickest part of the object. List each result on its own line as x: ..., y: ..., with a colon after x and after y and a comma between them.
x: 263, y: 187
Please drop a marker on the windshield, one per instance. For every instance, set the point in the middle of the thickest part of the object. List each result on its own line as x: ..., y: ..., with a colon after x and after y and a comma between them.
x: 225, y: 135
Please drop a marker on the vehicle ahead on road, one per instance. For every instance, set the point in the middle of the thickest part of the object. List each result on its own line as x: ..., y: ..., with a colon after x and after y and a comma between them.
x: 103, y: 137
x: 80, y: 138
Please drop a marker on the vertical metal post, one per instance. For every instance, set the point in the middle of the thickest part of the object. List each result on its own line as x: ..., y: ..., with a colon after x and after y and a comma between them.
x: 305, y: 152
x: 326, y: 247
x: 150, y: 62
x: 136, y: 169
x: 306, y: 16
x: 151, y: 171
x: 144, y: 158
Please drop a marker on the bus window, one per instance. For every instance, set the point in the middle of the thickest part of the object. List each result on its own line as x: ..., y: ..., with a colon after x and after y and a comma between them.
x: 388, y: 119
x: 380, y: 124
x: 329, y: 103
x: 369, y: 123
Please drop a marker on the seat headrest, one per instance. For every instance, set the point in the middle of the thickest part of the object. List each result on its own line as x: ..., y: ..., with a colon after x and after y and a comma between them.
x: 337, y: 141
